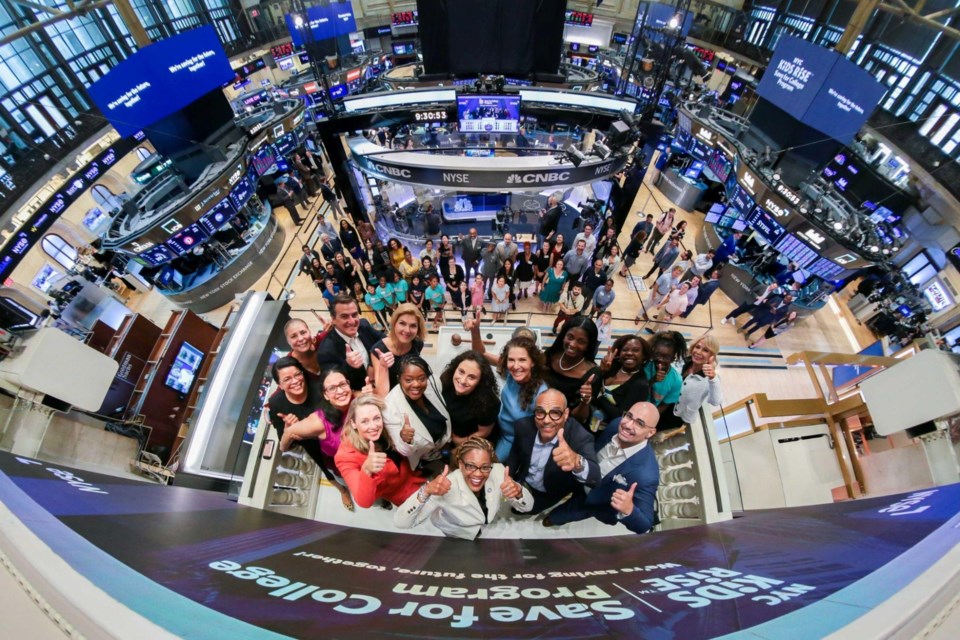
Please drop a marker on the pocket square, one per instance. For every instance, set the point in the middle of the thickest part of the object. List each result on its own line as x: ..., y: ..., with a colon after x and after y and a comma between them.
x: 619, y: 479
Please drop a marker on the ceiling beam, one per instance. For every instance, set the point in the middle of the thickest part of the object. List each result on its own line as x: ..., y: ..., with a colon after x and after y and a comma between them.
x: 904, y: 10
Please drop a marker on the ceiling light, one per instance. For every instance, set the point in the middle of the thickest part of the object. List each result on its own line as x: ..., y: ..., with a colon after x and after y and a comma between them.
x: 873, y: 248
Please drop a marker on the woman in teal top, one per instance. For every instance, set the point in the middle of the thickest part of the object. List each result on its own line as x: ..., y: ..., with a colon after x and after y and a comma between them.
x: 434, y: 296
x: 385, y: 291
x: 400, y: 287
x: 522, y: 364
x: 666, y: 383
x: 375, y: 302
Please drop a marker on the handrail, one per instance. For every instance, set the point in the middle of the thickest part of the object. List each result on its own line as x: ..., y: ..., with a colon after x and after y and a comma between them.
x: 311, y: 227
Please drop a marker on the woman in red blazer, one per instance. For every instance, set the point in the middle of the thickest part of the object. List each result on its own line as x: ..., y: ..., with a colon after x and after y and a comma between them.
x: 367, y: 460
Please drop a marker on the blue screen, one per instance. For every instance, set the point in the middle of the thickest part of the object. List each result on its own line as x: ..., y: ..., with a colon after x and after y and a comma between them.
x: 659, y: 16
x: 342, y: 15
x: 241, y: 192
x: 845, y: 101
x: 765, y: 225
x: 187, y: 240
x: 218, y: 216
x: 157, y: 255
x: 338, y: 92
x: 161, y: 79
x: 322, y: 25
x: 693, y: 171
x: 795, y: 75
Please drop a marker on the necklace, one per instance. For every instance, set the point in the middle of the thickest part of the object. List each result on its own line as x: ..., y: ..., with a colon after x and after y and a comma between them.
x: 573, y: 366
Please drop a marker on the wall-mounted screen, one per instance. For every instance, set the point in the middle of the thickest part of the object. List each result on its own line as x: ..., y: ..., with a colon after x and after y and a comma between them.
x: 338, y: 92
x: 184, y: 368
x: 404, y: 48
x: 765, y: 225
x: 187, y: 240
x: 620, y: 38
x: 221, y: 213
x: 405, y: 18
x: 579, y: 18
x: 285, y: 144
x: 241, y: 192
x: 488, y: 114
x: 161, y: 79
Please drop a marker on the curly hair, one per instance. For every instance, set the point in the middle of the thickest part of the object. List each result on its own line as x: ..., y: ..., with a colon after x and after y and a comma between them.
x: 473, y: 443
x: 528, y: 390
x: 674, y: 340
x: 618, y: 344
x: 486, y: 395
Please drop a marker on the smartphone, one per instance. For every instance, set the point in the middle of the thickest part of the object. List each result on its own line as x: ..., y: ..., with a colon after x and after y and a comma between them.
x: 268, y: 448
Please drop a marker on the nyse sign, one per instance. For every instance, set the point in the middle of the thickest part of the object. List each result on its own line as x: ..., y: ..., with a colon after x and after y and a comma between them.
x: 775, y: 207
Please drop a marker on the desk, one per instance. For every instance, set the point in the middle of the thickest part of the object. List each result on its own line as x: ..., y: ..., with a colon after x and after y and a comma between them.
x: 683, y: 192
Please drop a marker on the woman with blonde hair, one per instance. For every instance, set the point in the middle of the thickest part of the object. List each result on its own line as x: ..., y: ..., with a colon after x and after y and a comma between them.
x: 700, y: 380
x: 406, y: 331
x: 460, y: 502
x: 367, y: 460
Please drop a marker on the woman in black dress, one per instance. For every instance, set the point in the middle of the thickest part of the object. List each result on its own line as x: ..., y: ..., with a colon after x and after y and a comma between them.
x: 541, y: 262
x: 469, y: 388
x: 351, y: 240
x: 525, y: 274
x: 571, y: 368
x: 624, y: 379
x: 345, y: 271
x: 445, y: 250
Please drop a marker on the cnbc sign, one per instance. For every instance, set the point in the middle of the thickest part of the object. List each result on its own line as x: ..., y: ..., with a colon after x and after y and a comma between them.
x: 485, y: 177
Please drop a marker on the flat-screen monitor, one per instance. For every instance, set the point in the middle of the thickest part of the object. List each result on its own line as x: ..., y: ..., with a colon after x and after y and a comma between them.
x: 620, y: 38
x: 338, y: 92
x: 404, y: 48
x: 694, y: 170
x: 263, y: 159
x: 488, y: 114
x: 184, y: 368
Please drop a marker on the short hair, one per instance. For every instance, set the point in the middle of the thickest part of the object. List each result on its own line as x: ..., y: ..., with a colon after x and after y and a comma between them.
x: 474, y: 443
x: 409, y: 309
x: 284, y: 363
x: 292, y: 321
x: 342, y: 299
x: 306, y: 247
x: 710, y: 342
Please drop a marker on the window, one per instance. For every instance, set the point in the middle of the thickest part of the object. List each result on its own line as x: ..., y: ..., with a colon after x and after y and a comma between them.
x: 60, y: 250
x: 920, y: 269
x: 143, y: 153
x: 101, y: 195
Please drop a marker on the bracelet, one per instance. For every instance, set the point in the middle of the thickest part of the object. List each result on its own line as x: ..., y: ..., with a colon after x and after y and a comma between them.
x: 422, y: 495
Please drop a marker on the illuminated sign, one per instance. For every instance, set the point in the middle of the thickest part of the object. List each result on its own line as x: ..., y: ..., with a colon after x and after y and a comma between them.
x: 936, y: 294
x: 813, y: 236
x: 788, y: 194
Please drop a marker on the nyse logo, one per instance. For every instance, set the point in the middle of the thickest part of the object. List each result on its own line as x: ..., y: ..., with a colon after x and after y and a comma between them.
x: 814, y: 236
x: 456, y: 178
x: 396, y: 172
x: 774, y: 208
x: 706, y: 135
x: 749, y: 182
x: 602, y: 168
x: 538, y: 178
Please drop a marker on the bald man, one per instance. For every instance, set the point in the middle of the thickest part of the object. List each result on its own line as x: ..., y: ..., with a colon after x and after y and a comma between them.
x: 629, y: 475
x: 552, y: 455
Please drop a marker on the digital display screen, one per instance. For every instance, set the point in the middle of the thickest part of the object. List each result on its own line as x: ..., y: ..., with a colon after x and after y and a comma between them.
x: 694, y: 170
x: 620, y: 38
x: 282, y: 50
x: 488, y: 114
x: 344, y: 21
x: 574, y: 46
x: 820, y: 87
x: 719, y: 165
x: 826, y: 269
x: 742, y: 201
x: 187, y: 240
x: 404, y: 48
x: 579, y: 18
x: 765, y: 225
x: 241, y: 192
x: 157, y: 255
x: 324, y: 23
x: 218, y: 216
x: 592, y: 48
x: 184, y: 368
x: 338, y: 92
x: 377, y: 32
x: 795, y: 251
x: 404, y: 18
x: 285, y: 144
x: 699, y: 150
x: 161, y: 79
x: 659, y: 16
x: 263, y: 159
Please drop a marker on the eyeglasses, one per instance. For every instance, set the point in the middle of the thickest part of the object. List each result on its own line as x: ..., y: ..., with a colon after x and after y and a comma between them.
x: 291, y: 378
x: 555, y: 414
x: 472, y: 468
x: 628, y: 418
x: 343, y: 386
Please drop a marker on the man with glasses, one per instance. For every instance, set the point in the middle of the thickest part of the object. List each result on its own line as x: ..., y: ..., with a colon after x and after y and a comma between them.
x: 552, y: 454
x: 629, y: 476
x: 349, y: 341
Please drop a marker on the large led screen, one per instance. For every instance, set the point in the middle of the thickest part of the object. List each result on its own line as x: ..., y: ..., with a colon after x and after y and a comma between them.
x: 488, y: 114
x: 161, y: 79
x: 324, y: 23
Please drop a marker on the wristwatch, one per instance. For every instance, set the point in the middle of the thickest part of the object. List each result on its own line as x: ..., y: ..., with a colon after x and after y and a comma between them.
x: 579, y: 466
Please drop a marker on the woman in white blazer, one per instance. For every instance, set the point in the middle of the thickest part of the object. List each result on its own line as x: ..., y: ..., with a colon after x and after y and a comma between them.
x: 461, y: 502
x: 416, y: 417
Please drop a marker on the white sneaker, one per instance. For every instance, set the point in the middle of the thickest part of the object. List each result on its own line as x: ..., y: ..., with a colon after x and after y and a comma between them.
x: 724, y: 321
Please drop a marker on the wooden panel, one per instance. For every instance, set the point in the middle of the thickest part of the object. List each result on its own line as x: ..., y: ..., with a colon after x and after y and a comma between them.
x: 100, y: 337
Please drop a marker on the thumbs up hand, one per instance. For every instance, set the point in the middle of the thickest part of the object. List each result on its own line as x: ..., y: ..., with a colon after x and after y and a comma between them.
x: 367, y: 386
x: 375, y: 460
x: 622, y: 500
x: 710, y: 367
x: 386, y: 359
x: 354, y: 358
x: 586, y: 390
x: 510, y: 489
x: 565, y: 457
x: 441, y: 484
x: 406, y: 433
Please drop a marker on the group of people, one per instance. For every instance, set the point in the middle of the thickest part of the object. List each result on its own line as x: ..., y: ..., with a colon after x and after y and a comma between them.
x: 452, y: 447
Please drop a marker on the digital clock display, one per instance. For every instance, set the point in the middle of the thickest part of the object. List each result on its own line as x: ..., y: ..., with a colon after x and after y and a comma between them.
x: 430, y: 116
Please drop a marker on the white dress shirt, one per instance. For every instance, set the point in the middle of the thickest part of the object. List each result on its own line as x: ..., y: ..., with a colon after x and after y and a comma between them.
x: 612, y: 455
x: 540, y: 456
x: 355, y: 344
x: 591, y: 241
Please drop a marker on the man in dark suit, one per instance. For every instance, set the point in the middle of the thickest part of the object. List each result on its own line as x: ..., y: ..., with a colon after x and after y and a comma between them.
x: 330, y: 247
x: 348, y: 343
x: 629, y: 476
x: 550, y: 219
x: 470, y: 248
x: 552, y: 454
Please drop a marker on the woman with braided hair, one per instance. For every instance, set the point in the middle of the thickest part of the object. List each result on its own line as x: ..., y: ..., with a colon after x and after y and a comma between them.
x: 460, y: 502
x: 668, y: 347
